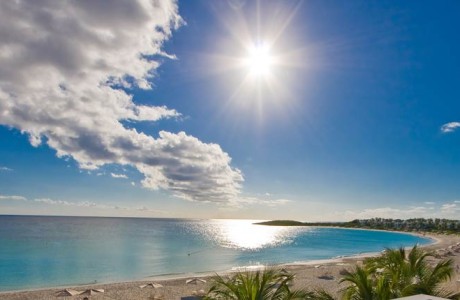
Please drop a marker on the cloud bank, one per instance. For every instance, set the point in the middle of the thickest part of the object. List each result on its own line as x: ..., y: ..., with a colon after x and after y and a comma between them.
x: 12, y: 197
x: 62, y: 64
x: 449, y: 210
x: 450, y: 127
x: 80, y: 204
x: 67, y: 203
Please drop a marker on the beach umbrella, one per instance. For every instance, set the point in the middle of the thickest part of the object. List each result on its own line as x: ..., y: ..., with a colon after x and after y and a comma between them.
x: 152, y: 284
x: 67, y: 293
x: 90, y: 292
x: 195, y: 281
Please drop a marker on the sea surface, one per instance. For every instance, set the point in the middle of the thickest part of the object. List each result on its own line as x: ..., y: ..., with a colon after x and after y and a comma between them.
x: 39, y: 252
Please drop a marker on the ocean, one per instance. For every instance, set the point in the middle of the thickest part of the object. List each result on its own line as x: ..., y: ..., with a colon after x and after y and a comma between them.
x: 42, y: 251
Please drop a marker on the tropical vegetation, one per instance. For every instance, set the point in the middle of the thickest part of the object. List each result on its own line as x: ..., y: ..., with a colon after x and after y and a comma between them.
x: 260, y: 285
x: 416, y: 224
x: 399, y: 273
x: 396, y: 273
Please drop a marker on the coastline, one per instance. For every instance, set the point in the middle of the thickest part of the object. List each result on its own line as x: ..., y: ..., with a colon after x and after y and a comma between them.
x: 309, y: 274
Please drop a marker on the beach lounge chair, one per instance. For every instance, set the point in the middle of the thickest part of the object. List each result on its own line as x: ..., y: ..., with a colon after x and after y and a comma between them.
x: 90, y: 292
x: 151, y: 284
x: 67, y: 293
x: 195, y: 281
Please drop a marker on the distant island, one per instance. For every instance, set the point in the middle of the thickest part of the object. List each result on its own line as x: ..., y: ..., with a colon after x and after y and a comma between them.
x: 419, y: 224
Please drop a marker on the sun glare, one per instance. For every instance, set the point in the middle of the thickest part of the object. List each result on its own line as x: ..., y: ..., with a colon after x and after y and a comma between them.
x: 259, y: 60
x: 243, y: 234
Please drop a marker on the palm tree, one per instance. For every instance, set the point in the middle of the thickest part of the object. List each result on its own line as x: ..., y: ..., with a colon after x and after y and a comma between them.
x: 398, y: 273
x: 410, y: 273
x: 429, y: 281
x: 394, y: 274
x: 320, y: 295
x: 260, y: 285
x: 364, y: 285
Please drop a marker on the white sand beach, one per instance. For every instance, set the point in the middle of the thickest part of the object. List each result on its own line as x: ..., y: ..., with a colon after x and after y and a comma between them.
x: 323, y: 274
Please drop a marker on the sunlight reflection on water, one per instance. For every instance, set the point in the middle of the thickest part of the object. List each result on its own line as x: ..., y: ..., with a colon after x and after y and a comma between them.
x: 245, y: 235
x: 37, y: 251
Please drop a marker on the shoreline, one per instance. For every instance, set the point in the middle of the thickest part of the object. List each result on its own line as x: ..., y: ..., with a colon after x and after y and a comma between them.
x: 178, y: 276
x: 175, y: 287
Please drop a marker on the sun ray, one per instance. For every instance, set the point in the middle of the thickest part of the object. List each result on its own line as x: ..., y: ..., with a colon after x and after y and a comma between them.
x: 257, y: 60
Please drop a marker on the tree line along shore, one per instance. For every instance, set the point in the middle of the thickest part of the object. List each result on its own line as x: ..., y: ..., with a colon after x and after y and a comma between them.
x: 444, y: 226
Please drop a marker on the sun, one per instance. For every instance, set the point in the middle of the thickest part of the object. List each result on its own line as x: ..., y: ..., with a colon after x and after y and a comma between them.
x: 259, y: 60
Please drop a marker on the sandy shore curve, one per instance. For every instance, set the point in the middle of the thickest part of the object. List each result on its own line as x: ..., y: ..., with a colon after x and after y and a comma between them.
x: 319, y: 274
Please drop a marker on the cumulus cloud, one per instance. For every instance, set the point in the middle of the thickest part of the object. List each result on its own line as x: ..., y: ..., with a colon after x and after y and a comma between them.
x: 12, y: 197
x: 118, y: 175
x: 450, y: 127
x: 62, y: 64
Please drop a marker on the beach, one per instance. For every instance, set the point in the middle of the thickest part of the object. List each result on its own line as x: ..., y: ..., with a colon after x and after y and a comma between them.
x: 323, y: 274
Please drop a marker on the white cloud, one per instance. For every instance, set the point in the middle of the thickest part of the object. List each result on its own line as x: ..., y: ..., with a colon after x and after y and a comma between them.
x: 118, y: 175
x: 450, y: 127
x: 451, y: 210
x: 277, y: 202
x: 388, y: 212
x: 449, y: 206
x: 95, y: 205
x: 6, y: 169
x: 447, y: 210
x: 429, y: 203
x: 381, y: 212
x: 145, y: 209
x: 13, y: 197
x: 67, y: 203
x: 242, y: 201
x: 59, y: 64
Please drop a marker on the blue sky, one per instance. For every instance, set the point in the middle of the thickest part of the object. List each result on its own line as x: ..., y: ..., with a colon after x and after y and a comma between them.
x: 159, y: 111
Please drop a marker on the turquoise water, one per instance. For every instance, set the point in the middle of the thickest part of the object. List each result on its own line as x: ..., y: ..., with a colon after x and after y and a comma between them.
x: 40, y: 252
